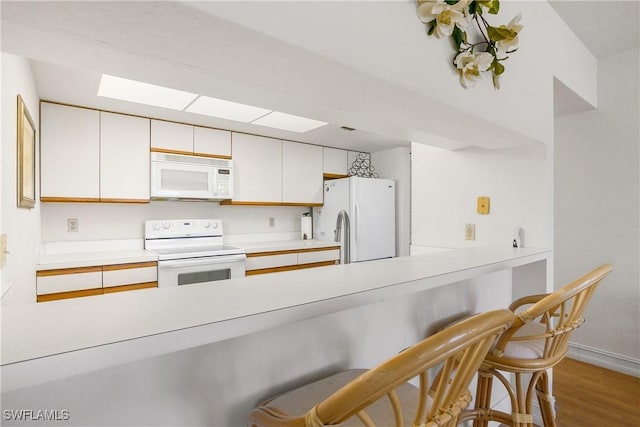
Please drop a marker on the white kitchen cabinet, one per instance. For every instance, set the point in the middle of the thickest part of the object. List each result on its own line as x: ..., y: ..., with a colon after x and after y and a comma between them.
x: 68, y: 283
x: 335, y: 162
x: 211, y: 142
x: 324, y: 255
x: 124, y: 158
x: 95, y: 280
x: 257, y: 169
x: 127, y: 276
x: 301, y: 173
x: 271, y: 261
x: 69, y: 153
x: 294, y: 259
x: 171, y: 137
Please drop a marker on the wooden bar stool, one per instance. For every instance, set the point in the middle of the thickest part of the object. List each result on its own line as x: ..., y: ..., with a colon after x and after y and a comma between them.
x: 537, y: 340
x: 357, y: 397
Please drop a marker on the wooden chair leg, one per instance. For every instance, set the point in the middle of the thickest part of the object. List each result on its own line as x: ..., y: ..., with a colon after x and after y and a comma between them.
x: 483, y: 398
x: 545, y: 400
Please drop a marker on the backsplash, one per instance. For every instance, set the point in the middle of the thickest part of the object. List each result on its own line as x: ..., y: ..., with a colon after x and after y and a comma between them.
x: 105, y: 221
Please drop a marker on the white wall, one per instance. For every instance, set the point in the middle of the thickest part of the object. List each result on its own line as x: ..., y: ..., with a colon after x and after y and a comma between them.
x: 21, y: 225
x: 446, y: 184
x: 396, y: 164
x: 597, y: 207
x: 101, y: 221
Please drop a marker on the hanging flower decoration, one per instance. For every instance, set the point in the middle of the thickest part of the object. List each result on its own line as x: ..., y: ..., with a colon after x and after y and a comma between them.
x: 453, y: 18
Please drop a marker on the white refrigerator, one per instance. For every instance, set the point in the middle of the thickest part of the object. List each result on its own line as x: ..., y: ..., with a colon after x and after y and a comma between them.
x: 369, y: 204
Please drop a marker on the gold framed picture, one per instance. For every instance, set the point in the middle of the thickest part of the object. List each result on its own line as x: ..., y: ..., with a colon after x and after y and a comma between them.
x: 26, y: 157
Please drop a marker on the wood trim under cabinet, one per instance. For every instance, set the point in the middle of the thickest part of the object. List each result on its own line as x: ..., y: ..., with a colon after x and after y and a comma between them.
x: 289, y: 267
x: 140, y: 201
x: 73, y: 270
x: 46, y: 199
x: 241, y: 203
x: 69, y: 294
x: 126, y: 266
x: 135, y: 286
x: 214, y: 156
x: 334, y: 176
x: 190, y: 153
x: 292, y: 251
x: 167, y: 151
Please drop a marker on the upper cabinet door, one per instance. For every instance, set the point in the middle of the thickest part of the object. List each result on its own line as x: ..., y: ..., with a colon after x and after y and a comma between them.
x: 301, y: 173
x: 124, y: 158
x: 257, y: 169
x: 335, y: 162
x: 211, y: 142
x: 171, y: 137
x: 70, y: 153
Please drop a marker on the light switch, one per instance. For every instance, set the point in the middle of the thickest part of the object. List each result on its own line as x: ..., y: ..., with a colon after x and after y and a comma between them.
x: 469, y: 232
x: 483, y: 205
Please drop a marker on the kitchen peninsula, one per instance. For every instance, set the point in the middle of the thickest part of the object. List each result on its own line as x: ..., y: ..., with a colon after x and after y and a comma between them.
x: 45, y: 342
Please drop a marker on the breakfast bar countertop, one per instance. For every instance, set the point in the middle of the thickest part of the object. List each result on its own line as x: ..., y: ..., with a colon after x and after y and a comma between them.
x: 85, y: 334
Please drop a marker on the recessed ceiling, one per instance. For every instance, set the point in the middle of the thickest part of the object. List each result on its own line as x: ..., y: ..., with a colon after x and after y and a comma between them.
x: 295, y: 70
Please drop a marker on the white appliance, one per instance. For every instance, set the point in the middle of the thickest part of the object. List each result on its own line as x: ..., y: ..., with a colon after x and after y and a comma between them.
x: 176, y: 176
x: 361, y: 213
x: 191, y: 251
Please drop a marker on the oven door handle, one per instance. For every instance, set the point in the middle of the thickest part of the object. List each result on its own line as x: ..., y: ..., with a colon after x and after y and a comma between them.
x: 222, y: 259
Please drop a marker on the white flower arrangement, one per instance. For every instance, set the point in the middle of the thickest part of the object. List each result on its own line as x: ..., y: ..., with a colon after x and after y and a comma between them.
x: 451, y: 18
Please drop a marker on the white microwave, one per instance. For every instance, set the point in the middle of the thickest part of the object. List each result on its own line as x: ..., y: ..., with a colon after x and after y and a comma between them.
x: 177, y: 176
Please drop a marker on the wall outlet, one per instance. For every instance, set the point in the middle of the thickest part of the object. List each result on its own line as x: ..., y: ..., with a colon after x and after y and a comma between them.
x: 470, y: 232
x: 272, y: 221
x: 72, y: 225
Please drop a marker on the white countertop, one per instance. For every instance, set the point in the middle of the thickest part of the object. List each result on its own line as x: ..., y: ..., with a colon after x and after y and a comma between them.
x: 89, y: 254
x: 94, y: 258
x: 94, y: 332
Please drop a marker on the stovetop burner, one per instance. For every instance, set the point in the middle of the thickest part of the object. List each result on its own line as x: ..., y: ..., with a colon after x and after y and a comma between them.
x: 186, y: 238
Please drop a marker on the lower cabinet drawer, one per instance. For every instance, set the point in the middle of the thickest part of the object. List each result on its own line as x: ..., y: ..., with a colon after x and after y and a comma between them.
x: 126, y: 275
x: 67, y: 280
x: 318, y: 256
x: 86, y: 281
x: 265, y: 262
x: 271, y: 261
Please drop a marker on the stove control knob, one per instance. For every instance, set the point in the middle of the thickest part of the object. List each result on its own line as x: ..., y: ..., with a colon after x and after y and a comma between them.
x: 166, y: 225
x: 206, y: 224
x: 215, y: 224
x: 156, y: 226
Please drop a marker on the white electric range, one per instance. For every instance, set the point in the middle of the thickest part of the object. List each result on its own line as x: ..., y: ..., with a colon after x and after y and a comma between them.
x: 192, y: 251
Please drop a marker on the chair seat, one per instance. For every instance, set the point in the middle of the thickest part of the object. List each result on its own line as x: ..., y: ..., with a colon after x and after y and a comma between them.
x: 302, y: 399
x: 526, y: 349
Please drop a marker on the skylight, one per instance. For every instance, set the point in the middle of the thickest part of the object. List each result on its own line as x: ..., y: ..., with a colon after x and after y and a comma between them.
x: 144, y: 93
x: 215, y: 107
x: 160, y: 96
x: 289, y: 122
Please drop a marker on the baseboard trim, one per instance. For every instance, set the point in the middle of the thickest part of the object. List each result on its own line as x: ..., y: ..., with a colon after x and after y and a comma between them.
x: 605, y: 359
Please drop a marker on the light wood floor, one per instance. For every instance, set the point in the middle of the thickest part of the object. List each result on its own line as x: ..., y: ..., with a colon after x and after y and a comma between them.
x: 590, y: 396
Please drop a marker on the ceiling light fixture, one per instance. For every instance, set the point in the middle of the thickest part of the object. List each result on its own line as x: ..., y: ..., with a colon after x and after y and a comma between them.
x: 144, y: 93
x: 288, y: 122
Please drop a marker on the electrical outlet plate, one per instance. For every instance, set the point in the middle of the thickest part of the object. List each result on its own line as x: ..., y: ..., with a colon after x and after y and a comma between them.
x: 72, y: 225
x: 470, y: 232
x: 483, y: 205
